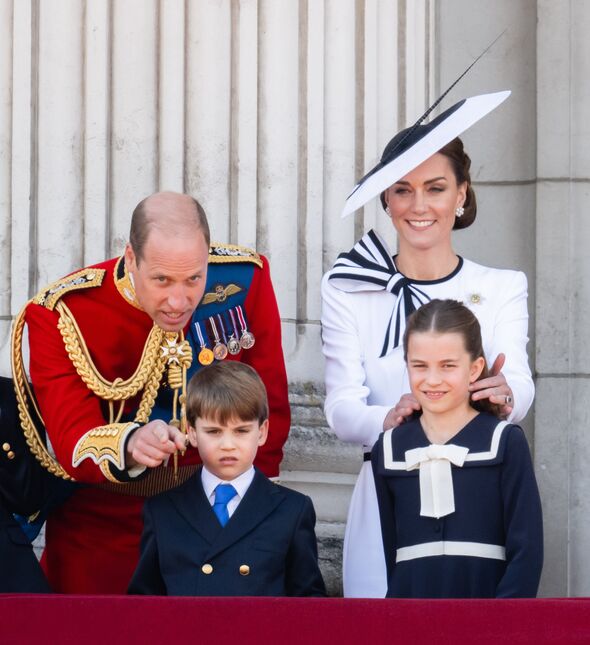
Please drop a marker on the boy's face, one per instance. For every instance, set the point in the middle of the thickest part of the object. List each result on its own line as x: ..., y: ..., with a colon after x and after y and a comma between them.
x: 227, y: 450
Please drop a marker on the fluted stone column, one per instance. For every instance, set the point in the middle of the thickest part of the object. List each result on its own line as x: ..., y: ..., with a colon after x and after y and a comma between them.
x: 562, y: 418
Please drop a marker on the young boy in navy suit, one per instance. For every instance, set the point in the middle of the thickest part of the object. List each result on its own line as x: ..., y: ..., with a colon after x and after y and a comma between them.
x: 228, y: 530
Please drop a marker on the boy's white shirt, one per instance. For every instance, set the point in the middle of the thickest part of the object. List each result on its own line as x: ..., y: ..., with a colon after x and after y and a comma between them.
x: 240, y: 483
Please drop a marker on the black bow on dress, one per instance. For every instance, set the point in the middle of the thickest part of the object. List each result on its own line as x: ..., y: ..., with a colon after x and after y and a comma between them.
x: 369, y: 266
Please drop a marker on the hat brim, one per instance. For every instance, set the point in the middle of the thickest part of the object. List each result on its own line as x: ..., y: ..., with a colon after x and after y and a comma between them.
x: 469, y: 112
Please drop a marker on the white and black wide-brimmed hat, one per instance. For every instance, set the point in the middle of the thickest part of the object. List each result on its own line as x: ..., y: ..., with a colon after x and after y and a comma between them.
x: 409, y: 148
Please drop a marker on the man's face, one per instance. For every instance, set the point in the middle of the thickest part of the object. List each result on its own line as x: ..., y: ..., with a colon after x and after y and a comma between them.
x: 170, y: 278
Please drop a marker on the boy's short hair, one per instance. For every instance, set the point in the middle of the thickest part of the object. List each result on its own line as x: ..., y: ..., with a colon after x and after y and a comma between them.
x: 226, y: 390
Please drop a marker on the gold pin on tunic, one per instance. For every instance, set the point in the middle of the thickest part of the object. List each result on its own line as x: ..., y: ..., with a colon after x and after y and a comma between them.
x: 221, y: 293
x: 178, y: 354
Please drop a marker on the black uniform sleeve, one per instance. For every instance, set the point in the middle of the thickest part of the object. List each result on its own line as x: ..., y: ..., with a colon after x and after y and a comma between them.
x: 302, y: 575
x: 147, y: 579
x: 25, y: 486
x: 386, y: 502
x: 523, y: 522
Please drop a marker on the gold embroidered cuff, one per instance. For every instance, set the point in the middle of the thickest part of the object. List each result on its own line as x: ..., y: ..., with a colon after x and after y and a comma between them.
x: 103, y: 445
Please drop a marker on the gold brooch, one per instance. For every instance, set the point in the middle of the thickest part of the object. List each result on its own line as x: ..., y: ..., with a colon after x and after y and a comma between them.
x: 175, y: 352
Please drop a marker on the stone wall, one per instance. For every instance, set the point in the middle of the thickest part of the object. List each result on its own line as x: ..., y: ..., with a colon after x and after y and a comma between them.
x: 318, y: 464
x: 302, y: 99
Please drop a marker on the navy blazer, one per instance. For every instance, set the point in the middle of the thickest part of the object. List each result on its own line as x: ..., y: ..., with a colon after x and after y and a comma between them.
x: 268, y: 547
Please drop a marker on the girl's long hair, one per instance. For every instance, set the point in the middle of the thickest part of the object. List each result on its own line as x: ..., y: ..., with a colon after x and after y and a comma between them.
x: 450, y: 316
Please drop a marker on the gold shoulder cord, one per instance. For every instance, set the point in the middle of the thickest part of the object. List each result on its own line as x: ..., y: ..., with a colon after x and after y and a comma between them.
x: 23, y: 395
x: 106, y: 443
x: 148, y: 372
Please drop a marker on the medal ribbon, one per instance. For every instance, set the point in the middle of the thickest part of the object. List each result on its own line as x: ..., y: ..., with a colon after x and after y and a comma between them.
x: 214, y: 330
x: 241, y: 318
x: 233, y: 322
x: 222, y: 328
x: 369, y: 266
x: 199, y: 331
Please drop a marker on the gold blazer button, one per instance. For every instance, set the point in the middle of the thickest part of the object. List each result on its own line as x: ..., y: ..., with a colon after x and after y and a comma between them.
x: 6, y: 447
x: 10, y: 454
x: 207, y: 569
x: 244, y: 570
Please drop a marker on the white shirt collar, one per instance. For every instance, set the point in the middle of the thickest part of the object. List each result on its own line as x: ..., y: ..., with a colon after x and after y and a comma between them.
x: 240, y: 483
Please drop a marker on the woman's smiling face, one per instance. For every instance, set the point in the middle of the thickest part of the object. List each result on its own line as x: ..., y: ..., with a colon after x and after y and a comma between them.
x: 422, y: 204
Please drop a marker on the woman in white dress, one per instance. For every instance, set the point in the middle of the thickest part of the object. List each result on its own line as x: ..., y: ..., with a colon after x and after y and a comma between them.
x: 369, y: 293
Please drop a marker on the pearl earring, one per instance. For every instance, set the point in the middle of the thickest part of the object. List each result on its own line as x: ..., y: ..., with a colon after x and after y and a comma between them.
x: 459, y: 211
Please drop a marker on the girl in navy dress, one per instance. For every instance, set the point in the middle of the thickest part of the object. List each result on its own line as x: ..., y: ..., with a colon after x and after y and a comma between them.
x: 459, y: 505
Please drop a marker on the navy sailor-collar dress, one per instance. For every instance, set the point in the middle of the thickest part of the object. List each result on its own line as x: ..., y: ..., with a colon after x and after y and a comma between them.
x: 486, y: 540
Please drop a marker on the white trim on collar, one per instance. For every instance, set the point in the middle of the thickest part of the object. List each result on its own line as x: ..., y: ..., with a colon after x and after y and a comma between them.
x: 492, y: 453
x: 488, y: 455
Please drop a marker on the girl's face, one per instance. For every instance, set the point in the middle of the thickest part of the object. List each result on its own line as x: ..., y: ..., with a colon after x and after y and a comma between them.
x: 422, y: 204
x: 440, y: 370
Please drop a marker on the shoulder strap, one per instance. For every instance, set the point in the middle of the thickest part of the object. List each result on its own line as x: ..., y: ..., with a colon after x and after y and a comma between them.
x: 84, y: 279
x: 228, y: 253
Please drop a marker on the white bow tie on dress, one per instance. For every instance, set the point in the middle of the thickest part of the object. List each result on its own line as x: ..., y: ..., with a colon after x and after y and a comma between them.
x: 437, y: 498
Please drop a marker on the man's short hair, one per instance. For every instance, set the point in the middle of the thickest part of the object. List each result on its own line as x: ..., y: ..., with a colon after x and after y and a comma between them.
x: 226, y: 390
x: 142, y: 223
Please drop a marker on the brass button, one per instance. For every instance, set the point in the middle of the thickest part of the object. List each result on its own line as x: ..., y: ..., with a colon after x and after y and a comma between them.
x: 10, y: 454
x: 244, y: 570
x: 6, y: 447
x: 207, y: 569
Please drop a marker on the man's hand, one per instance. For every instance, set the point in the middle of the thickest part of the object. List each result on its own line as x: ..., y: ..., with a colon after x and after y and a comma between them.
x: 495, y: 388
x: 153, y: 443
x: 405, y: 407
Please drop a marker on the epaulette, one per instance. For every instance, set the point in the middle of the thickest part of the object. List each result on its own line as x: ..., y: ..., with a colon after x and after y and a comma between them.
x: 49, y: 296
x: 225, y: 253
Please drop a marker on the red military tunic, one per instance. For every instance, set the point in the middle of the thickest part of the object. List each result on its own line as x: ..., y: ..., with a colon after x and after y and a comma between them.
x: 92, y: 540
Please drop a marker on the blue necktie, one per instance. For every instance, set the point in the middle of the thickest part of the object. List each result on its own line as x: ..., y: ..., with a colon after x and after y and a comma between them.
x: 223, y: 494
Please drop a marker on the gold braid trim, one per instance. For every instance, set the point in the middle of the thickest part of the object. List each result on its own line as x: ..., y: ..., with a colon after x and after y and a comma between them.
x: 107, y: 443
x: 231, y: 253
x: 104, y: 444
x: 147, y: 376
x: 83, y: 279
x: 151, y: 389
x: 78, y: 353
x: 23, y: 396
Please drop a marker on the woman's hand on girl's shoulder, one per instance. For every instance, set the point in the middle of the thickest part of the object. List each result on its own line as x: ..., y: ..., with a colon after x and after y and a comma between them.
x: 495, y: 388
x: 404, y: 408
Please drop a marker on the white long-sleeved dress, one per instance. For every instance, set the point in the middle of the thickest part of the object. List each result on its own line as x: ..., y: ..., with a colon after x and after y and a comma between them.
x: 361, y: 386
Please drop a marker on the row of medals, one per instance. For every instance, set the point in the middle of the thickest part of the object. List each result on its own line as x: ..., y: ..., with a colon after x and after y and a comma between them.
x: 221, y: 350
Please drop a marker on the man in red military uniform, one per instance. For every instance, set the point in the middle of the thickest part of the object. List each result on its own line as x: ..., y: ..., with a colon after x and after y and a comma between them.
x: 111, y: 349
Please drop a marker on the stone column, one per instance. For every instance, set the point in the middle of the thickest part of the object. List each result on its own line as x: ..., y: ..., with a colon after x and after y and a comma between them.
x: 562, y: 438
